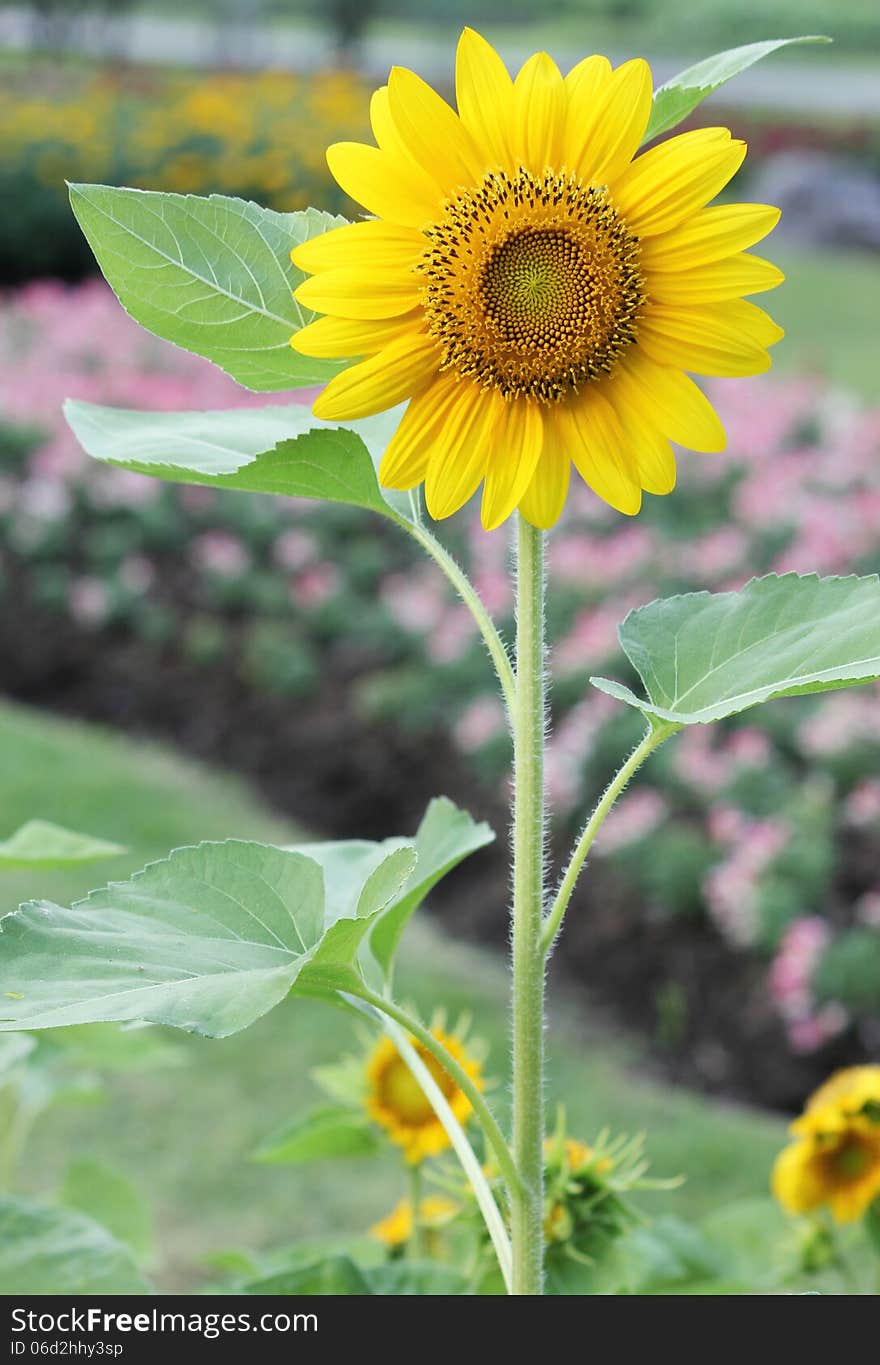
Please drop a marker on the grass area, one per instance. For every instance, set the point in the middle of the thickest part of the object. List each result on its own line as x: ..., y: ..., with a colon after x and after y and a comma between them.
x: 829, y: 306
x: 183, y: 1133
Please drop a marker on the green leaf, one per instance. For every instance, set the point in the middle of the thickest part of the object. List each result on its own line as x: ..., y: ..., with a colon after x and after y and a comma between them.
x: 444, y: 838
x: 284, y: 451
x: 41, y: 844
x: 678, y: 97
x: 59, y: 1251
x: 212, y: 275
x: 668, y: 1254
x: 416, y: 1277
x: 327, y: 1132
x: 754, y: 1236
x: 207, y: 940
x: 107, y: 1196
x: 334, y: 1275
x: 704, y: 656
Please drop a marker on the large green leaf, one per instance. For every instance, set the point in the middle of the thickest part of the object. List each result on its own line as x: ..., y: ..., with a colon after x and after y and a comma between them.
x: 207, y: 940
x: 285, y: 451
x: 41, y: 844
x: 332, y: 1131
x: 444, y: 838
x: 336, y: 1274
x: 59, y: 1251
x: 678, y: 97
x: 703, y: 656
x: 212, y: 275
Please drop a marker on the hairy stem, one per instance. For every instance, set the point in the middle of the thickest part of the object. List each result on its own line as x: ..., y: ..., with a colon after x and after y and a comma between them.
x: 527, y: 1207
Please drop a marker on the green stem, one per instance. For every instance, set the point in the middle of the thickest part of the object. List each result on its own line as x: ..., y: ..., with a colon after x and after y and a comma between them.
x: 417, y: 1241
x: 555, y: 916
x: 472, y: 600
x: 527, y: 1203
x: 485, y: 1117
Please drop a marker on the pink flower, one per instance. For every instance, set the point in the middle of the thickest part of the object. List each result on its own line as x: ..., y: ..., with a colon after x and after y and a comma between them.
x: 483, y: 720
x: 808, y: 1025
x: 218, y: 552
x: 636, y: 815
x: 294, y: 549
x: 316, y: 586
x: 731, y: 887
x: 89, y: 602
x: 861, y: 809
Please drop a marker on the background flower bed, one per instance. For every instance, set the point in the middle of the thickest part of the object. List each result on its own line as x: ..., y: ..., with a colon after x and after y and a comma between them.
x: 735, y: 909
x: 259, y: 135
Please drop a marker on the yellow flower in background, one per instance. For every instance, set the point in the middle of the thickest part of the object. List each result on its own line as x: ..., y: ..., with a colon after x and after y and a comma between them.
x: 535, y: 293
x: 396, y: 1101
x: 577, y: 1155
x: 835, y: 1160
x: 397, y: 1228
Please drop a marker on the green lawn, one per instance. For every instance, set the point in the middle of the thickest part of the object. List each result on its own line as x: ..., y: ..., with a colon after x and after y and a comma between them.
x: 829, y: 305
x: 183, y: 1133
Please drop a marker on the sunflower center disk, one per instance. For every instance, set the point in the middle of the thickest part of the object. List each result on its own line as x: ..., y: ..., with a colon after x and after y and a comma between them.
x: 532, y: 284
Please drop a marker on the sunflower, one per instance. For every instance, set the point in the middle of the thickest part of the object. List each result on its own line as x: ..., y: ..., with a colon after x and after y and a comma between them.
x: 835, y: 1160
x: 397, y: 1228
x: 396, y: 1101
x: 534, y: 293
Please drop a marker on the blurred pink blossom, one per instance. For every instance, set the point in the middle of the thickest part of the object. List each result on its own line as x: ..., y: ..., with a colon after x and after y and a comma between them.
x: 316, y: 585
x: 808, y: 1025
x: 731, y: 887
x: 481, y: 721
x: 218, y: 552
x: 88, y: 602
x: 637, y: 814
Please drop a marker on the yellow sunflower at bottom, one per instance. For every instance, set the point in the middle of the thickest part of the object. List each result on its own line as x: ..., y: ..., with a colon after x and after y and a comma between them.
x: 397, y: 1228
x: 536, y: 293
x: 396, y: 1101
x: 835, y: 1160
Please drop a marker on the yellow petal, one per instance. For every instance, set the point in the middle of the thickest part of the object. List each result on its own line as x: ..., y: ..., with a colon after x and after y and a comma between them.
x: 372, y: 178
x: 612, y: 126
x: 724, y: 339
x: 539, y: 114
x: 715, y: 283
x: 356, y: 293
x: 667, y: 399
x: 596, y: 443
x: 418, y: 178
x: 588, y: 79
x: 517, y: 433
x: 484, y: 94
x: 797, y: 1180
x: 665, y: 184
x: 406, y: 458
x: 458, y: 459
x: 709, y: 235
x: 645, y: 443
x: 340, y: 338
x: 656, y: 463
x: 432, y: 133
x: 544, y: 499
x: 377, y: 243
x: 397, y: 372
